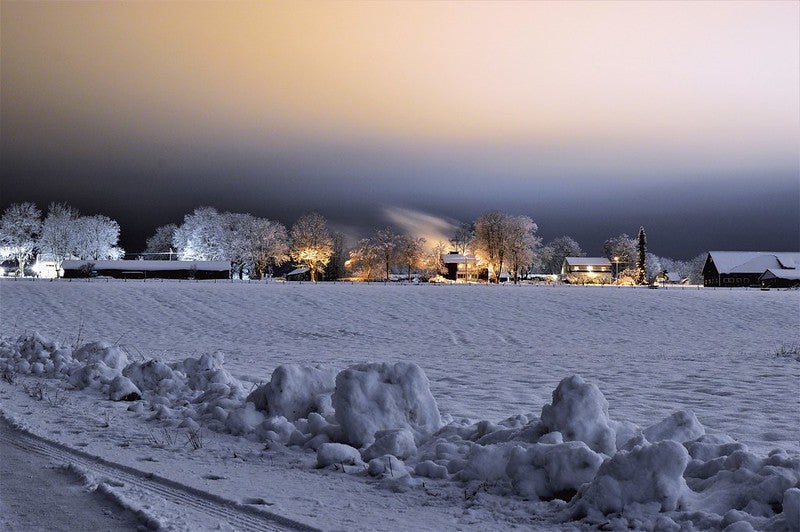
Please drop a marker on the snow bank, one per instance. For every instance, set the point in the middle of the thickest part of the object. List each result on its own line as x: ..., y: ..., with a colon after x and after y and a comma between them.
x: 382, y: 418
x: 373, y: 397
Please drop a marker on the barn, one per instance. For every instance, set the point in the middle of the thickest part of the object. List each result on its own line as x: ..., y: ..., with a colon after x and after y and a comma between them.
x: 148, y: 269
x: 745, y: 268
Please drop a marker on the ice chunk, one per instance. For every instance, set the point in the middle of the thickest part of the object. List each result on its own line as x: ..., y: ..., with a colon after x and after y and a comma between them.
x: 122, y: 389
x: 395, y: 442
x: 682, y: 426
x: 294, y: 391
x: 337, y: 453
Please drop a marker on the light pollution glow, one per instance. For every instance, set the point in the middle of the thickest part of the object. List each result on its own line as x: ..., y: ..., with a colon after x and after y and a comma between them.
x: 697, y: 78
x: 293, y: 105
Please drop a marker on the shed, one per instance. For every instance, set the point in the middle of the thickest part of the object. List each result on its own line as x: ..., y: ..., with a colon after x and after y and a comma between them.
x: 148, y: 269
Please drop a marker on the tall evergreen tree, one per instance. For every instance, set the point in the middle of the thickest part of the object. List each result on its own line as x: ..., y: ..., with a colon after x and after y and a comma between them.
x: 641, y: 258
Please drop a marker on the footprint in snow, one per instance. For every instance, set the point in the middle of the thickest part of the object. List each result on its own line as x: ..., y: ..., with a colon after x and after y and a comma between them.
x: 214, y: 477
x: 256, y: 500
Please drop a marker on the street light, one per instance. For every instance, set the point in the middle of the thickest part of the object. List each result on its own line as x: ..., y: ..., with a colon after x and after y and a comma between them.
x: 616, y: 268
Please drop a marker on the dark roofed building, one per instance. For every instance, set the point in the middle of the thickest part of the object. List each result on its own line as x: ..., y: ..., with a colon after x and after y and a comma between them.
x: 745, y: 268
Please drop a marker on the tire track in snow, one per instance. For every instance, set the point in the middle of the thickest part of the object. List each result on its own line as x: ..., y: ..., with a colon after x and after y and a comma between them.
x: 213, y: 507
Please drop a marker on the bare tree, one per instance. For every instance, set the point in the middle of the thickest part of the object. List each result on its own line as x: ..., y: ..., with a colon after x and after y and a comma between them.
x: 553, y: 254
x: 20, y: 226
x: 311, y: 243
x: 161, y: 241
x: 98, y: 237
x: 491, y: 241
x: 521, y: 244
x: 59, y: 237
x: 462, y: 237
x: 363, y: 258
x: 386, y: 242
x: 410, y: 253
x: 432, y: 263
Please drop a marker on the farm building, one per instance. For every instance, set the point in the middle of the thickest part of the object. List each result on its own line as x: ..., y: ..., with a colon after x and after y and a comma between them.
x: 462, y: 267
x: 586, y: 269
x: 785, y: 278
x: 745, y: 268
x: 148, y: 269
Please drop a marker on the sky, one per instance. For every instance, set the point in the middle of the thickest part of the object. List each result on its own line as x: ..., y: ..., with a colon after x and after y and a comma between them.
x: 592, y: 118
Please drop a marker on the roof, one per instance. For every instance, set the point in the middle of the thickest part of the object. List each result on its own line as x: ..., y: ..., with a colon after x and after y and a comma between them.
x: 297, y: 271
x: 753, y: 261
x: 457, y: 258
x: 788, y: 274
x: 587, y: 261
x: 149, y: 265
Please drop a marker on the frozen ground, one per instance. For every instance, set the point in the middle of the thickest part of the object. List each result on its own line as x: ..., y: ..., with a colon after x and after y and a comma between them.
x: 489, y: 353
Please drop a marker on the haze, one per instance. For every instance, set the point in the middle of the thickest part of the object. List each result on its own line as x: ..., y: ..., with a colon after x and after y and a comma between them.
x: 592, y: 118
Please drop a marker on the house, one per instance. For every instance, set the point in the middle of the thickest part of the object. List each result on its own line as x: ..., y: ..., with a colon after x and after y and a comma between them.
x: 586, y: 270
x: 148, y: 269
x: 462, y: 267
x: 745, y: 268
x: 666, y: 277
x: 784, y: 278
x: 299, y: 274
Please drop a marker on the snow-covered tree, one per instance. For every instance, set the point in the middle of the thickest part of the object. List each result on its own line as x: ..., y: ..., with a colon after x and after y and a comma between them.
x: 521, y: 245
x: 311, y: 243
x: 432, y: 262
x: 641, y: 257
x: 363, y: 259
x: 20, y: 226
x: 266, y: 245
x: 654, y: 265
x: 160, y: 244
x: 386, y: 243
x: 554, y: 252
x: 60, y: 233
x: 491, y: 241
x: 97, y: 238
x: 621, y: 250
x: 410, y: 252
x: 201, y: 236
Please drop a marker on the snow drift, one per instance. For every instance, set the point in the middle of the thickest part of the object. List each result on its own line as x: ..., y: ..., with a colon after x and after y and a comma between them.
x: 382, y: 417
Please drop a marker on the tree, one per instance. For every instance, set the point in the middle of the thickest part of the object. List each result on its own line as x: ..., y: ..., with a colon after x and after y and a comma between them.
x: 311, y: 243
x: 98, y: 236
x: 553, y: 254
x: 161, y: 241
x: 20, y: 226
x: 655, y: 265
x: 621, y: 250
x: 641, y: 258
x: 336, y: 266
x: 60, y: 233
x: 201, y: 236
x: 266, y: 245
x: 491, y: 241
x: 521, y: 244
x: 386, y: 243
x: 462, y: 237
x: 363, y: 258
x: 432, y: 263
x: 410, y: 252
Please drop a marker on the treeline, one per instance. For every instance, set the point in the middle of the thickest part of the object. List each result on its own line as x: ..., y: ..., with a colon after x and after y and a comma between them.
x: 257, y: 247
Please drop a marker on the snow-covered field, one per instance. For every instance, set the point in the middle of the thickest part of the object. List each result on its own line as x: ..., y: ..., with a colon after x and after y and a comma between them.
x: 489, y: 353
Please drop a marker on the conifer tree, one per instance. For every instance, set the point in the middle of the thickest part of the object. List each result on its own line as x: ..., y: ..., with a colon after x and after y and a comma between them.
x: 641, y: 258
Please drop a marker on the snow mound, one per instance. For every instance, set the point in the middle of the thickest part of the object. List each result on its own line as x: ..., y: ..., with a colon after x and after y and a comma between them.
x: 681, y: 426
x: 574, y: 462
x: 373, y: 397
x: 649, y: 477
x: 579, y: 411
x: 295, y: 391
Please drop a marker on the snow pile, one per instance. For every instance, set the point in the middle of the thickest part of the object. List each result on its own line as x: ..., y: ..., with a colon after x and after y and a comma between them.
x: 373, y: 397
x: 574, y: 460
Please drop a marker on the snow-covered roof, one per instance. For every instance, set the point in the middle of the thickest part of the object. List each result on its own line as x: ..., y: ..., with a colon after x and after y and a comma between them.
x: 673, y: 277
x: 753, y: 261
x: 457, y: 258
x: 149, y: 265
x: 788, y: 274
x: 587, y: 261
x: 297, y: 271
